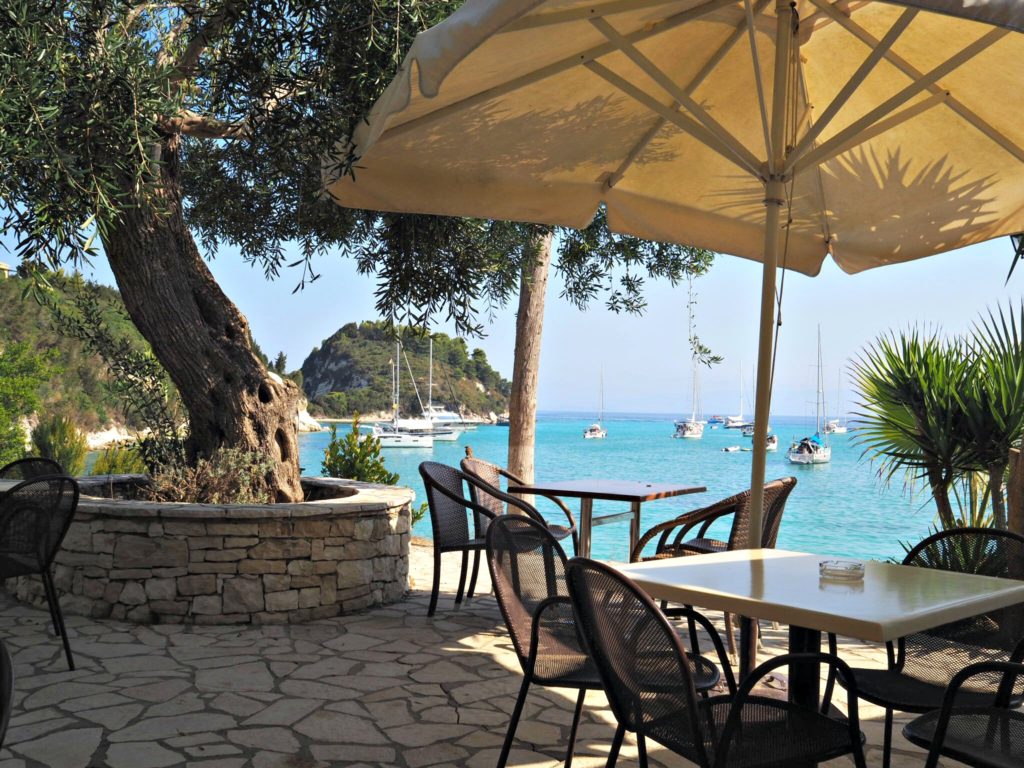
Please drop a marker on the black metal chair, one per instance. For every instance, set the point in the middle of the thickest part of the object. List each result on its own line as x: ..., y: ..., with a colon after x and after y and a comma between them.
x: 651, y: 689
x: 527, y: 567
x: 34, y: 518
x: 672, y: 535
x: 6, y: 689
x: 984, y: 737
x: 921, y: 665
x: 30, y: 468
x: 491, y: 475
x: 450, y: 509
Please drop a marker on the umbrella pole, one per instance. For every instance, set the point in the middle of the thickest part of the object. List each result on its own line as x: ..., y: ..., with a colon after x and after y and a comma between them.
x: 774, y: 199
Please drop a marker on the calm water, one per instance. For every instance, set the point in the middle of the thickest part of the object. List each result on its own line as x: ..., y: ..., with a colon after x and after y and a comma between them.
x: 837, y: 509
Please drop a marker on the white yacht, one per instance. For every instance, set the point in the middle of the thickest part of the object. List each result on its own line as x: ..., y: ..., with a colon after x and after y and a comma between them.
x: 833, y: 427
x: 392, y: 438
x: 813, y: 449
x: 691, y: 428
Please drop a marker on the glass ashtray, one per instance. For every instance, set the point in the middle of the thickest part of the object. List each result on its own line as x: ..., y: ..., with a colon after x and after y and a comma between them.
x: 841, y: 570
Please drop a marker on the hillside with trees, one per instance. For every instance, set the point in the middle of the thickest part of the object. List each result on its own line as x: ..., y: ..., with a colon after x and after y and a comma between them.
x: 78, y: 385
x: 351, y: 372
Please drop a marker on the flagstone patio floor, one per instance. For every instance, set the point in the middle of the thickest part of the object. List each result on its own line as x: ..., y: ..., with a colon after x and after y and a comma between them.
x: 388, y: 687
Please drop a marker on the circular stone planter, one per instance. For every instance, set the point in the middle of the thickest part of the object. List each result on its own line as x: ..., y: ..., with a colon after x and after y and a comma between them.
x: 344, y: 549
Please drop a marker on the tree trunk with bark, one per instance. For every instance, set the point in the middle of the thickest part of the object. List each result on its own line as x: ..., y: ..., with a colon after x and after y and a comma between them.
x: 995, y: 485
x: 940, y: 493
x: 1015, y: 493
x: 522, y: 408
x: 200, y: 337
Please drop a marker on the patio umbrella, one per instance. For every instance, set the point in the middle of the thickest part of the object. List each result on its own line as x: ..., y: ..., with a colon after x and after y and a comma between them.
x: 872, y: 132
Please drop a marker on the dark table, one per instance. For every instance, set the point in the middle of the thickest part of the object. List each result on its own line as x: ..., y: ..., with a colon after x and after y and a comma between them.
x: 633, y: 491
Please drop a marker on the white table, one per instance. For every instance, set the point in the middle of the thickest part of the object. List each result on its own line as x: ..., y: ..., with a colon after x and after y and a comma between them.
x: 891, y: 601
x: 6, y: 485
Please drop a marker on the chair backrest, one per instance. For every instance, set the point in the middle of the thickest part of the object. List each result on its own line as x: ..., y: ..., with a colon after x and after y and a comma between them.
x: 6, y: 689
x: 34, y: 518
x: 489, y: 474
x: 638, y: 655
x: 449, y: 519
x: 527, y: 567
x: 30, y: 468
x: 776, y: 494
x: 937, y: 654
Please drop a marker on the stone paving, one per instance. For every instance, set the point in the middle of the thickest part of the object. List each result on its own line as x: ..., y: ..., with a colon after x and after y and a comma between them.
x: 389, y: 687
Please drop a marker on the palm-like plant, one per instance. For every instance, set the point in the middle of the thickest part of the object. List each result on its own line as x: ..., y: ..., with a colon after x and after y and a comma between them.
x: 992, y: 400
x: 911, y: 418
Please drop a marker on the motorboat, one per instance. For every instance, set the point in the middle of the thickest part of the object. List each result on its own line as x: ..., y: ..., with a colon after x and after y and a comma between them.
x: 772, y: 443
x: 390, y: 437
x: 833, y: 427
x: 731, y: 449
x: 716, y: 420
x: 748, y: 431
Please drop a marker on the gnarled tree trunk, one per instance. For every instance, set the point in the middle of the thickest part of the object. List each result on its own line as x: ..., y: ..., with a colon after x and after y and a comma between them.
x: 200, y: 337
x: 522, y: 407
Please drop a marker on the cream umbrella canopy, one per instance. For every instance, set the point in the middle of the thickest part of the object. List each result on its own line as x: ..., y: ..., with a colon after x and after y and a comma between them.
x: 872, y: 132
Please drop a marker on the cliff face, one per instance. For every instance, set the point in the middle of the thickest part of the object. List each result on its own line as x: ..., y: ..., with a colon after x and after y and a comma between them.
x: 352, y: 372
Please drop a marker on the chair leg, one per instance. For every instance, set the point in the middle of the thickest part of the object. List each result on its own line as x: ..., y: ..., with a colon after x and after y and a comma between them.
x: 437, y: 582
x: 517, y: 711
x: 575, y: 727
x: 51, y: 591
x: 462, y: 576
x: 730, y: 635
x: 613, y: 755
x: 49, y: 605
x: 887, y: 739
x: 641, y: 750
x: 476, y: 570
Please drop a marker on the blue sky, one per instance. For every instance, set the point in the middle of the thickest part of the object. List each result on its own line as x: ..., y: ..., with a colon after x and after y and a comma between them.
x: 645, y: 359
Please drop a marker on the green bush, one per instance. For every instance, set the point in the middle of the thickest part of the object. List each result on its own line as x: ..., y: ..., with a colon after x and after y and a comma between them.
x: 356, y: 457
x: 119, y: 459
x: 22, y: 373
x: 59, y: 439
x: 230, y: 476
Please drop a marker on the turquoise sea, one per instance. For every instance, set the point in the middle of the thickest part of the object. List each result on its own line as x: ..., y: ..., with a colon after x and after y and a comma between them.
x: 838, y: 509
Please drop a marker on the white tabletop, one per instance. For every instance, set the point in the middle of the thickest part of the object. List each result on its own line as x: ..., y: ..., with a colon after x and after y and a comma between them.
x: 6, y: 485
x: 891, y: 601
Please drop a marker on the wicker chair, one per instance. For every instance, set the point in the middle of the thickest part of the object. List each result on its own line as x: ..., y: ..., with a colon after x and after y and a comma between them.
x: 527, y: 568
x: 34, y: 518
x: 672, y: 535
x: 985, y: 737
x: 651, y: 689
x: 30, y: 468
x: 921, y: 665
x: 6, y: 689
x: 491, y: 474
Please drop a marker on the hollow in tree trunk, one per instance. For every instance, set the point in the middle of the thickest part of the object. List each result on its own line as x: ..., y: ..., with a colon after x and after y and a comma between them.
x: 200, y: 337
x: 522, y: 407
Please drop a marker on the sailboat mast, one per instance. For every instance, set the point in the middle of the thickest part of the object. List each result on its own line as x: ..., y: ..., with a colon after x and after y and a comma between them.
x: 430, y: 381
x: 819, y: 400
x: 394, y: 379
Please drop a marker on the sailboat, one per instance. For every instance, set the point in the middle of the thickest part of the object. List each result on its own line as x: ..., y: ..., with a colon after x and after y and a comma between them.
x: 392, y: 435
x: 738, y: 422
x: 815, y: 448
x: 425, y: 424
x: 692, y: 427
x: 832, y: 426
x: 596, y: 431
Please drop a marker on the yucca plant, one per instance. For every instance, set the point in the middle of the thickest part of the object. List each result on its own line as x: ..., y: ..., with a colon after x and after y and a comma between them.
x: 910, y: 415
x: 992, y: 399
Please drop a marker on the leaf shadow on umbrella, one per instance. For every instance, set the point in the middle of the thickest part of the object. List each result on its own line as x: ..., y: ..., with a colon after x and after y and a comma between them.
x: 534, y: 142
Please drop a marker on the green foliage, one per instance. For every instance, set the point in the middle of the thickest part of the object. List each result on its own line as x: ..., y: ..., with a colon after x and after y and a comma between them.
x: 59, y: 439
x: 81, y: 392
x: 356, y: 457
x: 356, y: 365
x: 120, y: 459
x: 136, y: 378
x: 230, y: 476
x: 947, y: 411
x: 22, y: 373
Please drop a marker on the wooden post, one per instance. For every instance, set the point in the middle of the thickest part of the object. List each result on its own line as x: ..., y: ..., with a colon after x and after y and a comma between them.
x: 1015, y: 493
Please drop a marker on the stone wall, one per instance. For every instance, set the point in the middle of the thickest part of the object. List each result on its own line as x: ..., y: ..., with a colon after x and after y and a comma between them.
x: 209, y: 564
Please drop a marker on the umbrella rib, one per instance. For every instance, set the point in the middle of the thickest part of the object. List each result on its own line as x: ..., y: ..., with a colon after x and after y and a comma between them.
x: 911, y: 71
x: 827, y: 149
x: 699, y: 78
x: 746, y: 157
x: 761, y: 102
x: 859, y: 76
x: 555, y: 68
x: 595, y: 11
x: 683, y: 122
x: 825, y: 152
